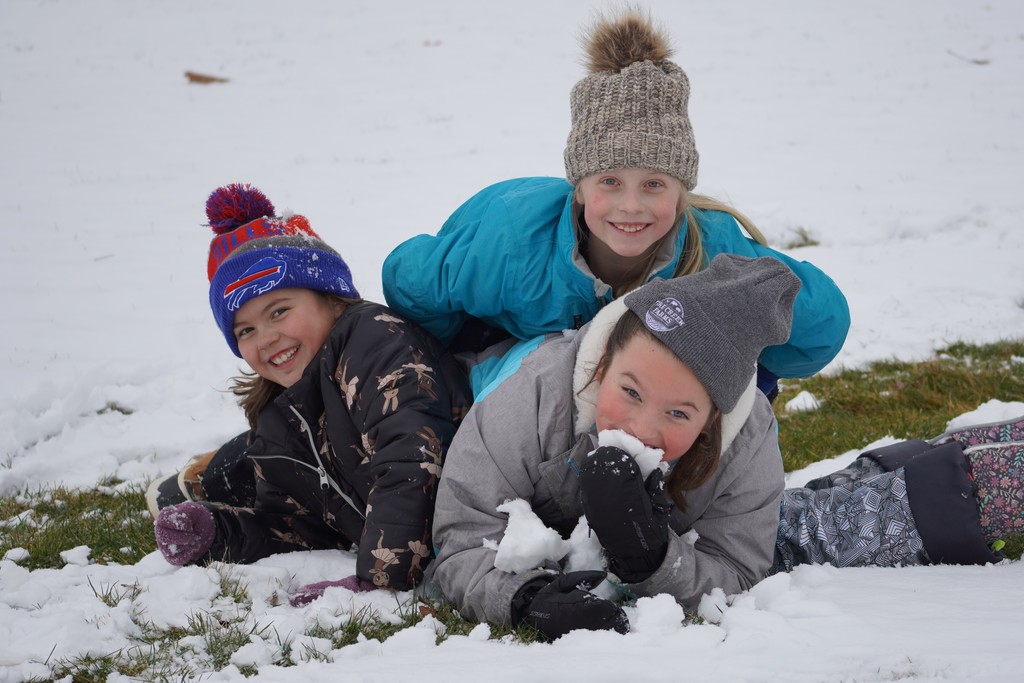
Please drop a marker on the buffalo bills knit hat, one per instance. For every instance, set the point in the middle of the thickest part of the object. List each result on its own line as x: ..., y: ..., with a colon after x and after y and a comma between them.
x: 255, y: 252
x: 631, y: 111
x: 718, y: 320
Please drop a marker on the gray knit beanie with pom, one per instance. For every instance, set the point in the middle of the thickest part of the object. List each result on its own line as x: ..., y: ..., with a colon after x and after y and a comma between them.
x: 631, y: 111
x: 719, y: 320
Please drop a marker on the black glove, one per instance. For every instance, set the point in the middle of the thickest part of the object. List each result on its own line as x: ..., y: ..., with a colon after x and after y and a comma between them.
x: 555, y: 607
x: 629, y: 516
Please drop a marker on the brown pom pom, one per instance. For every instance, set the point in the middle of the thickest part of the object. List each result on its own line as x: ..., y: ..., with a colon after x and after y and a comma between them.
x: 614, y: 42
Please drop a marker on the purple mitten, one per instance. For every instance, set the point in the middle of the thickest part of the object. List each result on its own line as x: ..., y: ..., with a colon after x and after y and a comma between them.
x: 311, y: 592
x: 184, y: 532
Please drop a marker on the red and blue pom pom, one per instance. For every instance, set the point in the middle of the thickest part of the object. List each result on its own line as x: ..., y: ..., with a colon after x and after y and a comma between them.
x: 237, y: 204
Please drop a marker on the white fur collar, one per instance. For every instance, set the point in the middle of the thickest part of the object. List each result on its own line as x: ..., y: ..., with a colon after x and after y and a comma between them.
x: 595, y: 336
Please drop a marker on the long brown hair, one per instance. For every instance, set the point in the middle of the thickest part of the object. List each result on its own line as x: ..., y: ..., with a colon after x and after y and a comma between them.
x: 700, y: 461
x: 254, y: 392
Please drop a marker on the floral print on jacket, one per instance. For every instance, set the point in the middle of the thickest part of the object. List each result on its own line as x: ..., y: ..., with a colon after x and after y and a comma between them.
x: 351, y: 453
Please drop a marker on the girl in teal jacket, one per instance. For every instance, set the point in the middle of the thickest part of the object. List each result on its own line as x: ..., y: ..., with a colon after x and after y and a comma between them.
x: 535, y: 255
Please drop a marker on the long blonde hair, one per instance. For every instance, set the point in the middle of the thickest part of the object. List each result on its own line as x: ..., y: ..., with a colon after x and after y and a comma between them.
x: 254, y: 392
x: 693, y: 258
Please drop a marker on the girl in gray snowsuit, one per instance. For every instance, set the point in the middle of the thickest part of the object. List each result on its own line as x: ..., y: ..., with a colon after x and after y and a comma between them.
x: 673, y: 365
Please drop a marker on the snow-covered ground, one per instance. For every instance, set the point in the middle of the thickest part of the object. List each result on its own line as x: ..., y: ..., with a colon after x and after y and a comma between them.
x: 891, y: 133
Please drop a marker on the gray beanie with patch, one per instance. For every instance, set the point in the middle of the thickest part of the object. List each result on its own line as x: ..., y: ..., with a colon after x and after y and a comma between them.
x: 631, y: 111
x: 718, y: 320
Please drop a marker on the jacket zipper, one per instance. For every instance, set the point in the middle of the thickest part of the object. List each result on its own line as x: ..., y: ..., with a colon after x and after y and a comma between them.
x: 325, y: 481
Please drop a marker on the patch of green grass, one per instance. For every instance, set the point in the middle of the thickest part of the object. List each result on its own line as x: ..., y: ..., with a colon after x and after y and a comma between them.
x: 222, y: 637
x: 111, y: 521
x: 455, y: 625
x: 364, y: 625
x: 232, y: 587
x: 1014, y: 547
x: 205, y: 644
x: 111, y: 596
x: 802, y: 238
x: 890, y: 398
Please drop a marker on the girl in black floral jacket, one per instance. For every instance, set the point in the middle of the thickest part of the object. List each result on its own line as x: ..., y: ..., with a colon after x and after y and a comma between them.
x: 351, y: 408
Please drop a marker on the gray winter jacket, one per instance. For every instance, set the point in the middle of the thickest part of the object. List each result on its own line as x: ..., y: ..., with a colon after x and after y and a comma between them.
x: 526, y: 438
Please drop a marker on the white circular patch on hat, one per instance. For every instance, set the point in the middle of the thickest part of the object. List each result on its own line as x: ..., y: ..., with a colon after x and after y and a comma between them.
x: 665, y: 315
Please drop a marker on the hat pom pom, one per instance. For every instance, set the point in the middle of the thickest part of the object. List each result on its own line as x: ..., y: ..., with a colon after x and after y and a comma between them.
x: 237, y: 204
x: 614, y: 42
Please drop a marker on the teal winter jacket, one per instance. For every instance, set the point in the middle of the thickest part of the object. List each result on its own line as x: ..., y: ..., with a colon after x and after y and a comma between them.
x: 508, y: 256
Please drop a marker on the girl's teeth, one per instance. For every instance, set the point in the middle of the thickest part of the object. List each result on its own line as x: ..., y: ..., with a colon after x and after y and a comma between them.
x: 284, y: 357
x: 630, y: 227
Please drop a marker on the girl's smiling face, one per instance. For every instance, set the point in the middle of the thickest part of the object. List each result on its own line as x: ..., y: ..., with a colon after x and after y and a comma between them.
x: 279, y: 333
x: 629, y: 210
x: 646, y: 391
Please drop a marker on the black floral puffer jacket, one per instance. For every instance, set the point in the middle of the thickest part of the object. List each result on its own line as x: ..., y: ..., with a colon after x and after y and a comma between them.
x: 352, y: 452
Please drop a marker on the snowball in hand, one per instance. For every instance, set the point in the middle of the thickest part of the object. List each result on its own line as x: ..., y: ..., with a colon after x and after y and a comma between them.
x: 527, y: 542
x: 646, y: 458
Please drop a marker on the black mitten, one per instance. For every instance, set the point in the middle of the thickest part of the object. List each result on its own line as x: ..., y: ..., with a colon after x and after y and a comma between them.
x: 555, y: 607
x: 629, y: 516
